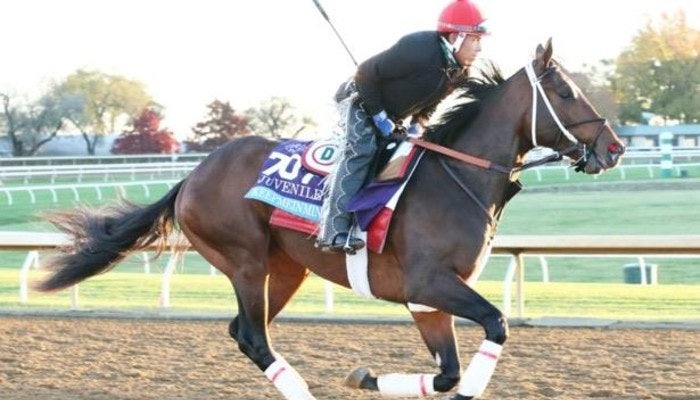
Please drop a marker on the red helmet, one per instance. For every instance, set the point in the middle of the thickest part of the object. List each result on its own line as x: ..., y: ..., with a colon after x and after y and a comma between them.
x: 461, y: 16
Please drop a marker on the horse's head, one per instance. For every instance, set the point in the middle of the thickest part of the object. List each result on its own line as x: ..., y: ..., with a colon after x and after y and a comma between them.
x: 563, y: 119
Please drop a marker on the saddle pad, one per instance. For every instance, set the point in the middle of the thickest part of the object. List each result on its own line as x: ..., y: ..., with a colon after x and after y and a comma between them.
x: 372, y: 198
x: 296, y: 192
x: 286, y: 184
x: 400, y: 164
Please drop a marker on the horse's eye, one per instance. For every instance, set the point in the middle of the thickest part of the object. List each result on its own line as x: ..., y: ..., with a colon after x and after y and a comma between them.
x: 565, y: 92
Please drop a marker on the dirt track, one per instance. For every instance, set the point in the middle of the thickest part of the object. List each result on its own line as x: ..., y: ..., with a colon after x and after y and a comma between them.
x: 102, y: 359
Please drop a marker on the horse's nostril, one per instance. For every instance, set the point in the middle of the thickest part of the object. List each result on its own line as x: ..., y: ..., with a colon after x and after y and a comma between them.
x: 616, y: 148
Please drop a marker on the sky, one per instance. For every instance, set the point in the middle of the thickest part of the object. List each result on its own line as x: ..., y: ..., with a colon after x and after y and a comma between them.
x: 188, y: 53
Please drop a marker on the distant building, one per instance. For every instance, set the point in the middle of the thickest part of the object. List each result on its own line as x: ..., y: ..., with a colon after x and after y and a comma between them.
x: 5, y: 147
x: 64, y: 145
x: 74, y: 145
x: 648, y: 136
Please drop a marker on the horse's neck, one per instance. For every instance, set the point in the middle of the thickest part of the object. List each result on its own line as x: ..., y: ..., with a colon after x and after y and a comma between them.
x: 495, y: 136
x: 495, y: 133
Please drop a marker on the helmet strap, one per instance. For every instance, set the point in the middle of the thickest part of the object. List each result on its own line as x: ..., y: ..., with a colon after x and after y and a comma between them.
x: 459, y: 41
x: 448, y: 50
x: 454, y: 47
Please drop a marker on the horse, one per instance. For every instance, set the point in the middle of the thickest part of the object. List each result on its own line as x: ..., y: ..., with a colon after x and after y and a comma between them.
x: 440, y: 233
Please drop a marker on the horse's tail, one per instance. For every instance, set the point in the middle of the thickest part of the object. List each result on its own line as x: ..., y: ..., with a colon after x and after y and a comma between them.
x: 102, y: 238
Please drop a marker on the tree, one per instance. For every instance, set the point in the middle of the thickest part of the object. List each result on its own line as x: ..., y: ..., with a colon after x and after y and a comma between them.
x: 660, y: 73
x: 222, y: 124
x: 12, y: 125
x: 276, y: 117
x: 99, y: 103
x: 31, y: 126
x: 146, y: 136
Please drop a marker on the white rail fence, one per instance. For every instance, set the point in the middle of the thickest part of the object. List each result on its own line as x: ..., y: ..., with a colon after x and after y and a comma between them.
x: 652, y: 170
x: 14, y: 176
x: 179, y: 172
x: 515, y: 246
x: 650, y: 155
x: 77, y: 173
x: 106, y: 160
x: 632, y: 154
x: 76, y: 188
x: 654, y: 153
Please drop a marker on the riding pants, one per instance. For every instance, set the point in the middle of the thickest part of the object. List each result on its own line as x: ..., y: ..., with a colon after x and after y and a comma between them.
x: 350, y: 173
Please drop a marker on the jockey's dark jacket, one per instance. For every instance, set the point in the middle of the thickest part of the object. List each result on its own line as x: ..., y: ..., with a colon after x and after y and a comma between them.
x: 408, y: 79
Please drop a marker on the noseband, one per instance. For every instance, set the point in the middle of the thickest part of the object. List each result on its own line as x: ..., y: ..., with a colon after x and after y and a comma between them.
x: 588, y: 151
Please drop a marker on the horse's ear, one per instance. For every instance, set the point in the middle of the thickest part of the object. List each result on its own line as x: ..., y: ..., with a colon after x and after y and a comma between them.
x: 544, y: 54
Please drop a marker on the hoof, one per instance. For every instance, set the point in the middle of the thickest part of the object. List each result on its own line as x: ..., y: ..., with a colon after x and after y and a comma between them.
x: 356, y: 377
x: 457, y: 397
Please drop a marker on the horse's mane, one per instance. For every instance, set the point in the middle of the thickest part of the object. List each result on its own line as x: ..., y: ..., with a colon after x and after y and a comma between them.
x: 472, y: 91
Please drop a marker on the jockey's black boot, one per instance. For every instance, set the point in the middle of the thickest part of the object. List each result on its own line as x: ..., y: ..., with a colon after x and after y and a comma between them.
x: 344, y: 242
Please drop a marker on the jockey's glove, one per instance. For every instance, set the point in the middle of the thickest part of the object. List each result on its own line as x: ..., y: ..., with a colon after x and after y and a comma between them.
x: 415, y: 129
x: 385, y: 125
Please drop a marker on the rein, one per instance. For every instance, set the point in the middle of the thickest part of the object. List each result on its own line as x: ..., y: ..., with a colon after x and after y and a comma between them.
x: 492, y: 221
x: 491, y: 166
x: 535, y: 82
x: 487, y: 164
x: 458, y: 155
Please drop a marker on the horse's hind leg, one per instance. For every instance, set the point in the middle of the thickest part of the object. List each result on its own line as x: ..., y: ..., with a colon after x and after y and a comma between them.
x: 253, y: 274
x: 252, y: 283
x: 285, y: 278
x: 437, y: 330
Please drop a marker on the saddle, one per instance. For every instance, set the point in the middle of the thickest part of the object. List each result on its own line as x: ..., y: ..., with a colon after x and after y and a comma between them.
x: 292, y: 180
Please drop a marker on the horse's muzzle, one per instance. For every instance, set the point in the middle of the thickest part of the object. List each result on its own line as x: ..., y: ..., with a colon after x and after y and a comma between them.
x: 615, y: 152
x: 599, y: 158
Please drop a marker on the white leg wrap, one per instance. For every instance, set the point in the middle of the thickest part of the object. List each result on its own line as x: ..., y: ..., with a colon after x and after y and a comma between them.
x: 288, y: 381
x: 478, y: 373
x: 405, y: 385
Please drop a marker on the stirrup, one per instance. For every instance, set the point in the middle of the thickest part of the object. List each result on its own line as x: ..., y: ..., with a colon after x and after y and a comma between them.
x: 343, y: 241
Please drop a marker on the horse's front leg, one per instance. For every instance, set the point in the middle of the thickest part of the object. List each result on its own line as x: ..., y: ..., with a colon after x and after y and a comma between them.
x: 437, y: 331
x: 447, y: 292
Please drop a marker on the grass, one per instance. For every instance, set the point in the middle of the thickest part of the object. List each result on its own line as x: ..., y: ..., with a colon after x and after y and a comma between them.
x: 25, y: 213
x: 128, y: 291
x: 597, y: 212
x: 615, y: 212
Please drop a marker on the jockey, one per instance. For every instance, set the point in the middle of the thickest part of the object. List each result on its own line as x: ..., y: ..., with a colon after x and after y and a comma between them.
x: 407, y: 80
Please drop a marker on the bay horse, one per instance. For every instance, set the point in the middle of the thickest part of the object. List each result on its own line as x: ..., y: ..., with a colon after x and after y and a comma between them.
x: 440, y: 231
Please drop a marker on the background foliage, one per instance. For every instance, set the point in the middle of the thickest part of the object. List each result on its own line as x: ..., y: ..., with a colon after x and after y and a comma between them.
x: 659, y: 72
x: 146, y: 137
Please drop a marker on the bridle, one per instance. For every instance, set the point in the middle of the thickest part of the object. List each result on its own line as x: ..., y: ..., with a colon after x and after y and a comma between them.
x: 535, y: 81
x: 586, y: 151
